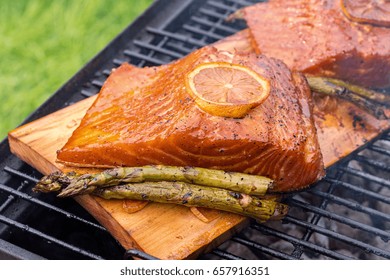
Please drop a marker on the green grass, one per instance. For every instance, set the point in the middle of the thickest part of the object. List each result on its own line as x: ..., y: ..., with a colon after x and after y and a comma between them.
x: 44, y: 43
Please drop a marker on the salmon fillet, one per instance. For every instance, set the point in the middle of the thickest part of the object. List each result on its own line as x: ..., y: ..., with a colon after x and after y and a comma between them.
x: 316, y: 37
x: 145, y: 116
x: 342, y: 127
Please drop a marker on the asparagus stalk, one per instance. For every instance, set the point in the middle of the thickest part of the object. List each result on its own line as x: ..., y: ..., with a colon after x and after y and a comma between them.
x: 54, y: 182
x: 199, y: 196
x: 240, y: 182
x: 373, y: 102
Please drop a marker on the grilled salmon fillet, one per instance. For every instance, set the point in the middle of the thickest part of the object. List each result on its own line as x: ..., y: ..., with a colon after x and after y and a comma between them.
x: 317, y: 37
x: 146, y: 116
x: 342, y: 127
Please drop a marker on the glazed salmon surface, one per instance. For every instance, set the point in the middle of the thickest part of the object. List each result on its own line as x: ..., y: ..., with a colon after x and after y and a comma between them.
x: 146, y: 116
x: 315, y: 37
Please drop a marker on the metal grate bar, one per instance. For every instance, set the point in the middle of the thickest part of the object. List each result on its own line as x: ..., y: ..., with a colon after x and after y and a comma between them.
x: 352, y: 205
x: 98, y: 83
x: 107, y: 72
x: 360, y: 190
x: 155, y: 50
x: 211, y: 33
x: 213, y: 14
x: 217, y: 26
x: 386, y: 137
x: 243, y: 2
x: 175, y: 36
x: 87, y: 93
x: 344, y: 220
x: 225, y: 255
x: 196, y: 30
x: 299, y: 242
x: 118, y: 62
x: 375, y: 163
x: 184, y: 49
x: 174, y: 55
x: 46, y: 237
x: 6, y: 203
x: 219, y: 5
x: 9, y: 200
x: 20, y: 174
x: 264, y: 249
x: 33, y: 200
x: 147, y: 58
x: 134, y: 253
x: 356, y: 243
x: 380, y: 150
x: 367, y: 176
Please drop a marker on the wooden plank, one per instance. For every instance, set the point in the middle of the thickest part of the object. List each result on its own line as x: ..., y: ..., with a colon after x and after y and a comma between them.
x: 342, y: 127
x: 162, y: 230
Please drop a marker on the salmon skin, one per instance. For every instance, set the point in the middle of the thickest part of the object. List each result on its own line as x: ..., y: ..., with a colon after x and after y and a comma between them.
x: 316, y: 37
x: 145, y: 116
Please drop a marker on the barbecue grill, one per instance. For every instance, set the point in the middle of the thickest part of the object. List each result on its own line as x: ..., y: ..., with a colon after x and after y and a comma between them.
x: 344, y: 216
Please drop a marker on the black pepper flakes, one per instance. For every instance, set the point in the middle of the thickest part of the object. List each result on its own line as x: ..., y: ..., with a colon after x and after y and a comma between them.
x: 236, y: 195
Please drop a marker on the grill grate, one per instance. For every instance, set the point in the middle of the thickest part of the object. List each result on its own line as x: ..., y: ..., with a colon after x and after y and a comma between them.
x: 345, y: 216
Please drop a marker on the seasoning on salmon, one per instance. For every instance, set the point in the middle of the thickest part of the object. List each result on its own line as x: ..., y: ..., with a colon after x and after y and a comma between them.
x: 325, y: 37
x: 146, y: 116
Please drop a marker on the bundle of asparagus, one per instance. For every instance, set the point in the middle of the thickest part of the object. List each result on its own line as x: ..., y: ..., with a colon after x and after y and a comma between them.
x: 233, y: 192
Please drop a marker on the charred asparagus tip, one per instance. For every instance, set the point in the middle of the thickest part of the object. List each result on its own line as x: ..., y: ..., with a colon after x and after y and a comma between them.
x: 281, y: 211
x: 47, y: 187
x: 54, y: 182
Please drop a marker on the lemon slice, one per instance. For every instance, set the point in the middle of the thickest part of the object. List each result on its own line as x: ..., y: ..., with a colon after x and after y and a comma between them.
x: 375, y: 12
x: 225, y: 89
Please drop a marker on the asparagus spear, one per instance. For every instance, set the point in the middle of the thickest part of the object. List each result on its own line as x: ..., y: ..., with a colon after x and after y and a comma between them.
x: 369, y: 100
x: 200, y: 196
x: 54, y: 182
x: 240, y: 182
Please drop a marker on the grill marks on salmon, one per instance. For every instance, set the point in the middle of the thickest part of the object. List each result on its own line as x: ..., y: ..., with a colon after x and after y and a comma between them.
x: 145, y: 116
x: 316, y: 37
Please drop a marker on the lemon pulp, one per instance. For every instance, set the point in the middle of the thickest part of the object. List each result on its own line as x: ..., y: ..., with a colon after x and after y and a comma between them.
x: 225, y: 89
